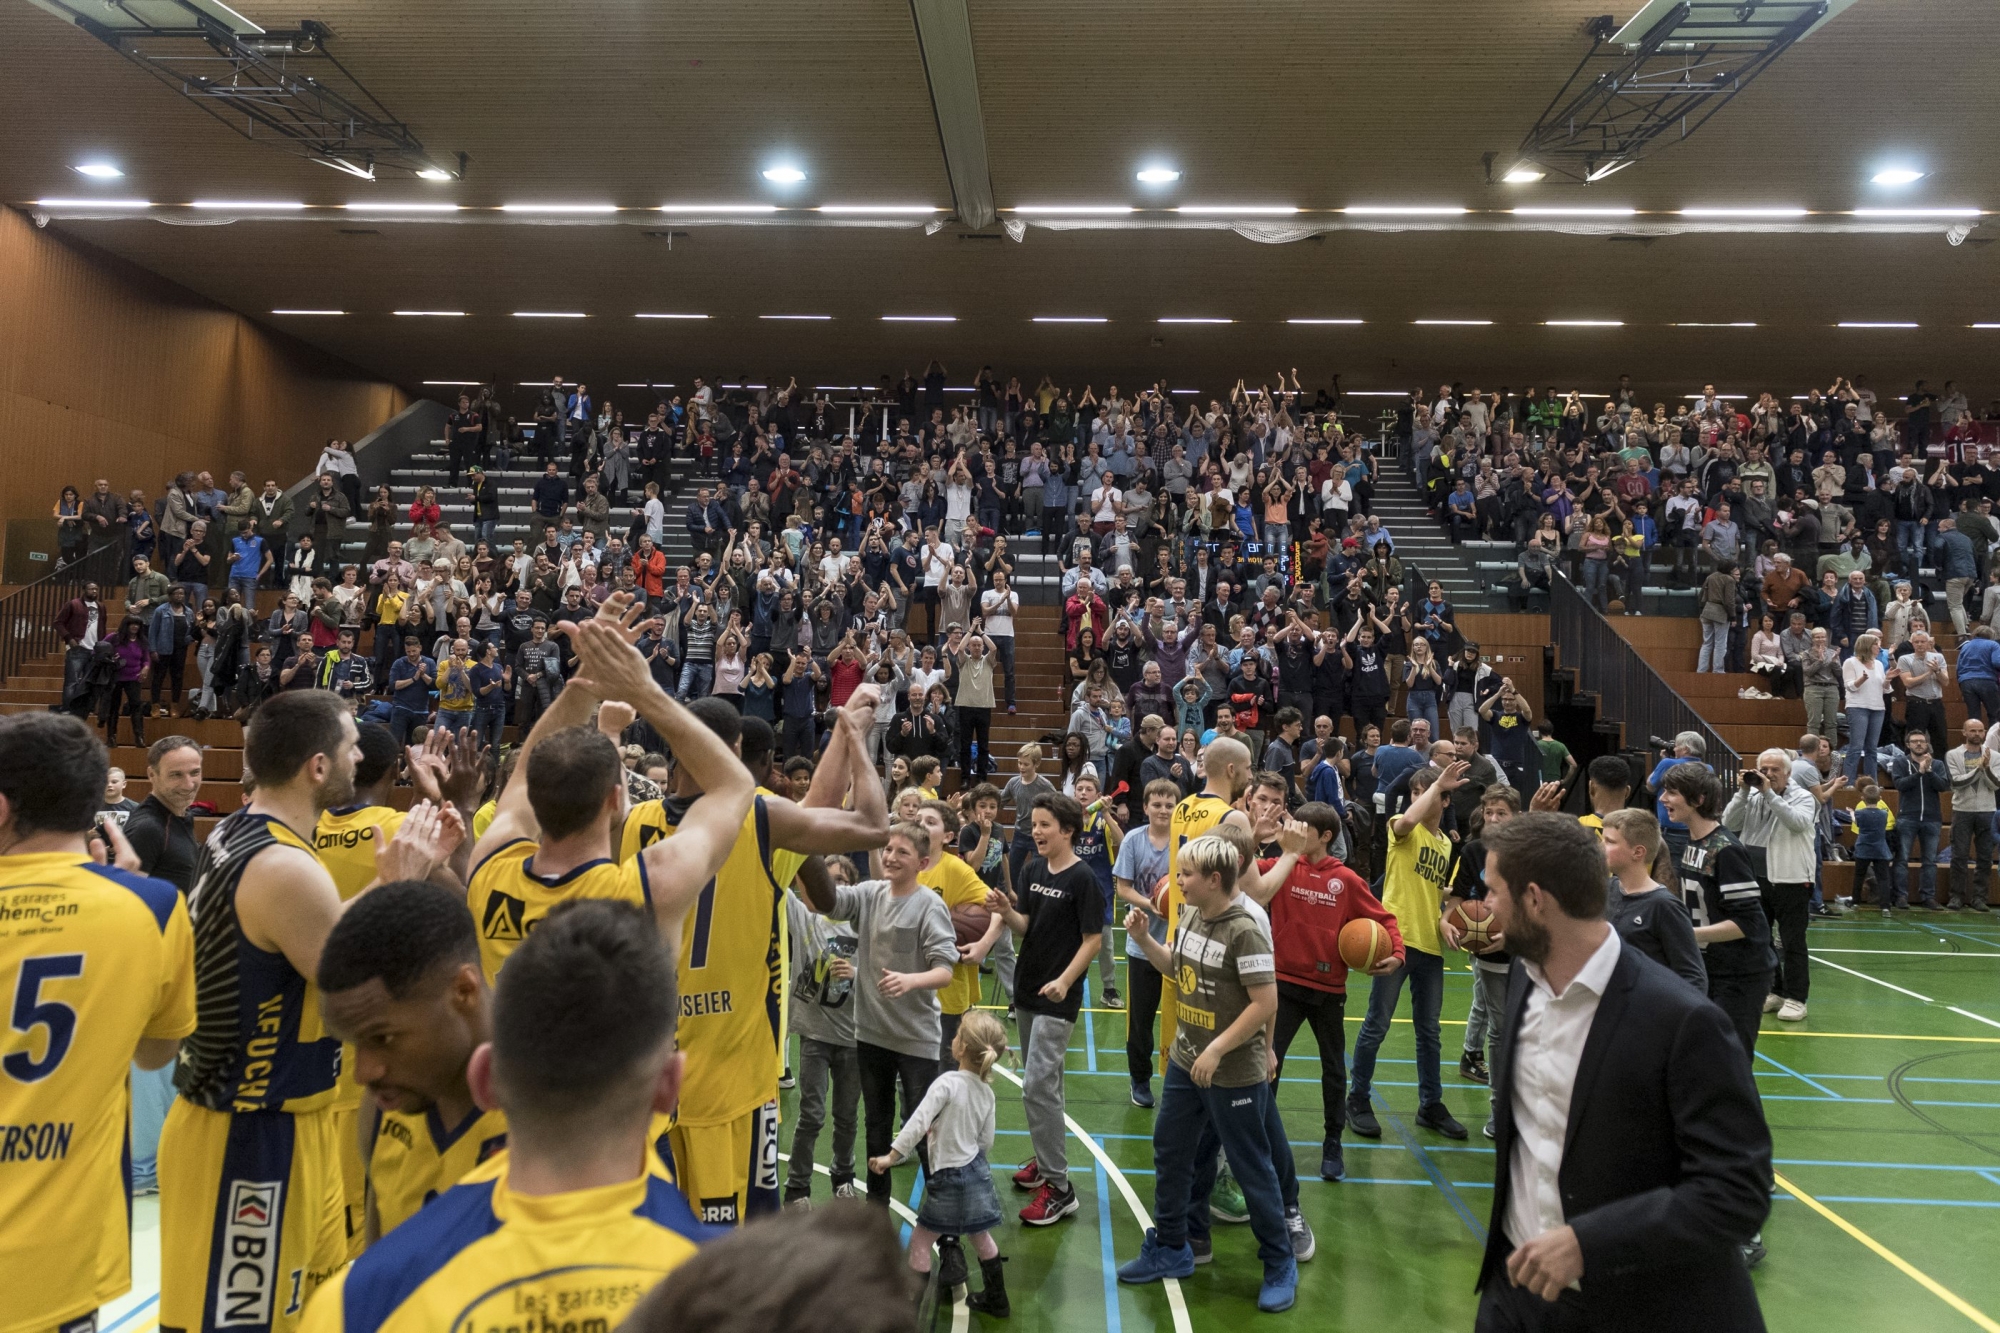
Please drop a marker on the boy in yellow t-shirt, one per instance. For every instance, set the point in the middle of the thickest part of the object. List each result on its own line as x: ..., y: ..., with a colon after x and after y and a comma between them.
x: 1413, y: 883
x: 958, y: 884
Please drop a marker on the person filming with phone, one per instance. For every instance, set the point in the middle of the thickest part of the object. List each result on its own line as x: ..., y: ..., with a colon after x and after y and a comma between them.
x: 1772, y: 812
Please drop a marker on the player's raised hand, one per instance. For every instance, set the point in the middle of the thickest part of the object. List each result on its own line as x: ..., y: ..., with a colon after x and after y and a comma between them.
x: 613, y: 716
x: 609, y: 667
x: 109, y: 847
x: 465, y: 773
x: 425, y: 841
x: 1297, y: 837
x: 859, y: 710
x: 1548, y: 797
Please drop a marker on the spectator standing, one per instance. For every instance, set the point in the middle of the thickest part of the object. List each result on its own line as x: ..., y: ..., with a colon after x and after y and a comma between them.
x: 1719, y: 884
x: 1867, y: 703
x: 1973, y: 782
x: 1922, y: 779
x: 1775, y: 814
x: 1922, y: 673
x: 1979, y: 674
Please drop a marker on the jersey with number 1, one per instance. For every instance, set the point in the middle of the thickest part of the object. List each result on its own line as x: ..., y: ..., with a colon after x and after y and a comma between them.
x: 92, y: 959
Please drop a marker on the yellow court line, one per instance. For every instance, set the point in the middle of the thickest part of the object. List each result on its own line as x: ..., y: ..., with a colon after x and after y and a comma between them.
x: 1908, y: 1269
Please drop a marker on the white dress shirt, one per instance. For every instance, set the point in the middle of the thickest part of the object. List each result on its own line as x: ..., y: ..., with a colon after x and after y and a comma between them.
x: 1544, y: 1060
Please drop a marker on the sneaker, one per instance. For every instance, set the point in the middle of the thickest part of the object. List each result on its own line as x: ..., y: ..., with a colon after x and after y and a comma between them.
x: 1793, y: 1011
x: 1203, y: 1247
x: 1471, y: 1068
x: 1048, y: 1206
x: 1142, y: 1095
x: 1487, y: 1128
x: 1772, y: 1003
x: 1156, y: 1261
x: 1435, y: 1117
x: 1280, y: 1289
x: 1746, y: 693
x: 1012, y: 709
x: 788, y: 1080
x: 1754, y: 1252
x: 1361, y: 1118
x: 1304, y: 1245
x: 1112, y: 999
x: 1332, y: 1164
x: 1029, y: 1176
x: 798, y: 1205
x: 846, y: 1190
x: 146, y: 1190
x: 1225, y: 1202
x: 1934, y: 907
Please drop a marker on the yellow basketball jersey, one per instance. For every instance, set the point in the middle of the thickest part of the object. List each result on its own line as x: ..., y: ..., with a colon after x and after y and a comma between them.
x: 482, y: 1257
x: 91, y: 960
x: 1194, y: 816
x: 731, y: 968
x: 415, y: 1158
x: 346, y: 840
x: 259, y: 1043
x: 958, y: 884
x: 784, y: 869
x: 508, y: 898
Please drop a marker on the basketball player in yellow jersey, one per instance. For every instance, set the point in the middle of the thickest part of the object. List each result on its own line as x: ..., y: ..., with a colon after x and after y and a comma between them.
x: 251, y: 1212
x: 725, y: 1137
x: 400, y: 980
x: 97, y: 969
x: 575, y: 1221
x: 1226, y: 762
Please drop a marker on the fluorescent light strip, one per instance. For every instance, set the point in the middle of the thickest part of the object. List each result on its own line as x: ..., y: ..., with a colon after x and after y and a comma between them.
x: 1916, y: 212
x: 1452, y: 321
x: 402, y: 208
x: 1734, y: 324
x: 1584, y: 323
x: 664, y: 384
x: 835, y: 388
x: 1575, y: 212
x: 452, y: 313
x: 308, y: 312
x: 93, y: 203
x: 456, y: 384
x: 795, y: 316
x: 920, y: 319
x: 1070, y: 319
x: 717, y: 208
x: 1193, y: 319
x: 1986, y: 326
x: 1874, y: 324
x: 1239, y: 210
x: 1743, y: 212
x: 1184, y: 391
x: 550, y: 314
x: 1377, y: 393
x: 1322, y: 321
x: 739, y: 386
x: 649, y: 315
x: 1405, y: 210
x: 1074, y: 210
x: 880, y: 208
x: 558, y: 208
x: 250, y: 205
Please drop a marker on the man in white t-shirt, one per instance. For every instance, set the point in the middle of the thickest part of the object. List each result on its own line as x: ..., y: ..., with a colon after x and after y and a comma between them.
x: 1105, y: 504
x: 833, y: 565
x: 934, y: 558
x: 997, y: 606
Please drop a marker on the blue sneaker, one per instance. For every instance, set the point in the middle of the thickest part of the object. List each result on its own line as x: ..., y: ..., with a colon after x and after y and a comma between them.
x: 1142, y: 1095
x: 1280, y: 1289
x: 1332, y: 1164
x: 1156, y: 1261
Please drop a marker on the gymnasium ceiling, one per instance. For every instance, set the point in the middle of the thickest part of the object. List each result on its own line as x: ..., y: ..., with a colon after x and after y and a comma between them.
x: 1319, y: 105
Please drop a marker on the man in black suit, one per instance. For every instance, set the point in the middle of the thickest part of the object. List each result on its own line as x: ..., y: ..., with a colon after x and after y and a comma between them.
x: 1632, y: 1155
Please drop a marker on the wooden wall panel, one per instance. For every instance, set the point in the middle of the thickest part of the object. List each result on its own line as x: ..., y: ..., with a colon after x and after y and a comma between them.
x: 109, y: 371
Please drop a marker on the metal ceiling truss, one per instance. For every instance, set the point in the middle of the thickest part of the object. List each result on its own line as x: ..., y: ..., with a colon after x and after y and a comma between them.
x: 282, y: 88
x: 1624, y: 96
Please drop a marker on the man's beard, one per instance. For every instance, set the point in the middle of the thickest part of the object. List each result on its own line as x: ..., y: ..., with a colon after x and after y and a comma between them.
x: 1526, y: 938
x: 336, y: 791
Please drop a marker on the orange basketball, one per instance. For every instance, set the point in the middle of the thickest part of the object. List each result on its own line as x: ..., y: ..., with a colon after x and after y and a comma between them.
x: 1475, y: 919
x: 1161, y: 892
x: 1363, y: 944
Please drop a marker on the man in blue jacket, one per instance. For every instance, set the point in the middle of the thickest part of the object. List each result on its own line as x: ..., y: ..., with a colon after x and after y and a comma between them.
x: 1921, y: 781
x: 1959, y: 563
x: 1979, y: 675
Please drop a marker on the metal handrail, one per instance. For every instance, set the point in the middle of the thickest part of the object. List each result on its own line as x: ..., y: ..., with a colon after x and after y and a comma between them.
x: 1629, y: 691
x: 27, y: 615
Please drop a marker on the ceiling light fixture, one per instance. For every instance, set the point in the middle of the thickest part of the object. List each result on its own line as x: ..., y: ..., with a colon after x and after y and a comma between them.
x: 250, y: 205
x: 308, y: 312
x: 922, y: 210
x: 1322, y: 321
x: 1916, y: 212
x: 93, y: 203
x: 550, y: 314
x: 451, y: 314
x: 717, y: 208
x: 920, y: 319
x: 1452, y: 321
x: 102, y: 171
x: 1897, y: 176
x: 1743, y: 212
x: 1733, y: 324
x: 401, y: 208
x: 1406, y: 210
x: 795, y: 316
x: 558, y: 208
x: 1377, y: 393
x: 1240, y: 210
x: 456, y: 384
x: 1875, y: 324
x: 653, y: 384
x: 1070, y: 319
x: 1525, y: 174
x: 1576, y: 212
x: 1584, y: 323
x: 1074, y: 210
x: 433, y: 174
x: 1158, y: 175
x: 1986, y: 326
x: 654, y: 315
x: 1192, y: 319
x: 784, y: 174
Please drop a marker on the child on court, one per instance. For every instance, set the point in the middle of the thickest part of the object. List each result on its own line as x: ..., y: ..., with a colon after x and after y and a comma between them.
x: 1646, y: 915
x: 1490, y: 965
x: 1874, y: 837
x: 955, y: 1122
x: 822, y: 1014
x: 1096, y: 846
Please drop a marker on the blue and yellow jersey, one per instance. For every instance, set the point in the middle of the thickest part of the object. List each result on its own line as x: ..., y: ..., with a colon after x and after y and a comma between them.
x: 346, y: 840
x: 91, y: 960
x: 1193, y: 817
x: 259, y: 1043
x: 731, y: 966
x: 481, y: 1257
x: 415, y: 1158
x: 959, y: 885
x: 509, y: 898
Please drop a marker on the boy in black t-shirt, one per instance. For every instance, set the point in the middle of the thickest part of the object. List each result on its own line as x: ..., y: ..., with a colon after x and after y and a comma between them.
x: 1060, y: 920
x: 1720, y: 887
x: 1647, y: 916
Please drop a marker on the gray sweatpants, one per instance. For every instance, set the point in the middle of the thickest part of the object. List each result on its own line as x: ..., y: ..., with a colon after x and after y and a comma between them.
x: 1044, y: 1045
x: 1003, y: 957
x: 1489, y: 1002
x: 817, y: 1059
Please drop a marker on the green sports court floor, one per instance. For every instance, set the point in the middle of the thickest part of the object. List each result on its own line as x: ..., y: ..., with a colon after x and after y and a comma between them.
x: 1884, y: 1106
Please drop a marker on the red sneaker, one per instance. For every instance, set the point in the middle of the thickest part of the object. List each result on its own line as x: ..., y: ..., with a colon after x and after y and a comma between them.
x: 1048, y: 1207
x: 1028, y: 1177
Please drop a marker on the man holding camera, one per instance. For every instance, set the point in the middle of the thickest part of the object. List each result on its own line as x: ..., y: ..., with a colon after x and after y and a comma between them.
x: 1773, y: 812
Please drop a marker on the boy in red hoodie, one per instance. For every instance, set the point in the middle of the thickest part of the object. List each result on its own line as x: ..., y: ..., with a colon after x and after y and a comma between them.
x: 1311, y: 895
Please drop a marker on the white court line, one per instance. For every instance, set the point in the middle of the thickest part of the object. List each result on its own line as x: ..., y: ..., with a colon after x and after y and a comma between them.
x: 1967, y: 1013
x: 1176, y: 1303
x: 1878, y: 981
x: 1912, y: 953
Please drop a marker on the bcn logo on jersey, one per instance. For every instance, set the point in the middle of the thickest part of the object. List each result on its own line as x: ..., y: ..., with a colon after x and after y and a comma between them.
x: 764, y: 1144
x: 247, y: 1269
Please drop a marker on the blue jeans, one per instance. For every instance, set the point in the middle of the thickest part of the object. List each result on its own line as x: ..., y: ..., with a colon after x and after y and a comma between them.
x: 401, y: 720
x: 1237, y: 1117
x: 1424, y: 706
x: 1911, y: 538
x: 696, y: 680
x: 452, y: 719
x: 1864, y: 733
x: 490, y: 724
x: 1003, y: 649
x: 1426, y: 975
x: 152, y: 1094
x: 1982, y: 698
x: 1596, y: 578
x: 1923, y: 838
x: 247, y: 587
x: 1714, y: 655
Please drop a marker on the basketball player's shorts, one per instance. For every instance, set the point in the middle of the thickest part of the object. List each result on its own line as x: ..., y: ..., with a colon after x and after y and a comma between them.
x: 729, y: 1172
x: 353, y: 1178
x: 252, y: 1217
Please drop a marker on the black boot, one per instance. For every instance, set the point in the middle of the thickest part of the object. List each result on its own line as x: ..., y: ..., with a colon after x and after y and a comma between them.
x: 951, y: 1263
x: 992, y: 1299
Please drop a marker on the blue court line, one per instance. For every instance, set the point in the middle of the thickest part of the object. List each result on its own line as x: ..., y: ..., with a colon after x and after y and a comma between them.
x: 1817, y: 1087
x: 1107, y: 1250
x: 1989, y: 1176
x: 1430, y: 1167
x: 1988, y: 941
x: 1089, y: 1029
x: 916, y: 1197
x: 1916, y: 1203
x: 133, y: 1313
